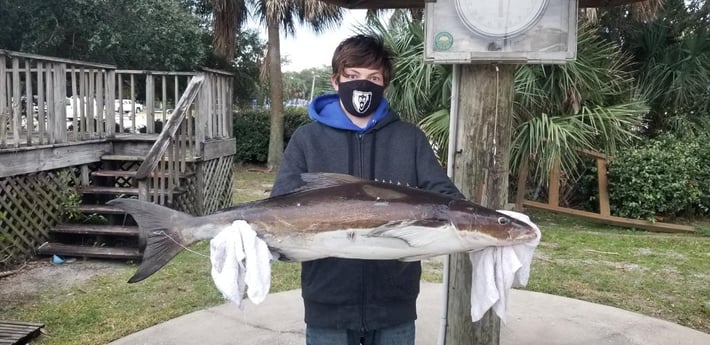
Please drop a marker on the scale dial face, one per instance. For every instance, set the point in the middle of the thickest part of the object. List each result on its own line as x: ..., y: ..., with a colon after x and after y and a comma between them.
x: 500, y: 18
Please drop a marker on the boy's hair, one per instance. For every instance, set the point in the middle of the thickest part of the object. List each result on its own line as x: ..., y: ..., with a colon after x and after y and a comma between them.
x: 363, y: 51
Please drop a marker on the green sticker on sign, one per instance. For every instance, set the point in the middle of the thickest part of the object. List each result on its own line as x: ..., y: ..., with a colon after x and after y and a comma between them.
x: 443, y: 41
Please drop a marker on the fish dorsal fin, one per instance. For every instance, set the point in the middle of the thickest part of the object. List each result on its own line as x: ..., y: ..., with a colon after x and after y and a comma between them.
x: 325, y: 180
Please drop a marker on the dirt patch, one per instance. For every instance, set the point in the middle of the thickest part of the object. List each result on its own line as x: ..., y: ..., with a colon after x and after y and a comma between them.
x: 37, y: 277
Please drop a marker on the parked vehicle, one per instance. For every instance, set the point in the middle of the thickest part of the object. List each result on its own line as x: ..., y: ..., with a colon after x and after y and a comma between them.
x: 127, y: 106
x: 74, y: 101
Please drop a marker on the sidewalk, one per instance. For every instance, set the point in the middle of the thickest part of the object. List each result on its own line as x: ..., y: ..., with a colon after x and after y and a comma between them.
x: 533, y: 319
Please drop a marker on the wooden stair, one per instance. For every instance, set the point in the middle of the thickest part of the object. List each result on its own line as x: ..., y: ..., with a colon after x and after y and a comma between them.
x: 104, y: 231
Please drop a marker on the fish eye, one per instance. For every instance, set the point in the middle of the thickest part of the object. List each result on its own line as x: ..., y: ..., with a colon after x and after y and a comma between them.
x: 503, y: 221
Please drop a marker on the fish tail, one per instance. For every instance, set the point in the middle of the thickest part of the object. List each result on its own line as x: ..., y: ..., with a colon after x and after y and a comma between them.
x: 160, y: 225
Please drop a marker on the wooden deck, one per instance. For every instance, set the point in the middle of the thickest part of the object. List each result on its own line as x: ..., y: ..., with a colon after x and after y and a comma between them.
x: 16, y: 332
x: 66, y: 140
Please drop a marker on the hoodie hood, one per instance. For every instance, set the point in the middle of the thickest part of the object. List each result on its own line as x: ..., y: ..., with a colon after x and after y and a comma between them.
x: 326, y: 109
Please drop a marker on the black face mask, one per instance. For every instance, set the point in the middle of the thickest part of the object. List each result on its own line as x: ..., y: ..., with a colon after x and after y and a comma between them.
x: 360, y: 97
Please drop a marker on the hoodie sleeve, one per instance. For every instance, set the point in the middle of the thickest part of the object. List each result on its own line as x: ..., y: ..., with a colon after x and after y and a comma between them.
x: 292, y: 166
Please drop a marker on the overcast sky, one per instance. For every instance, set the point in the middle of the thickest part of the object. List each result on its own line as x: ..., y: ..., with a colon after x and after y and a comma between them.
x: 307, y: 49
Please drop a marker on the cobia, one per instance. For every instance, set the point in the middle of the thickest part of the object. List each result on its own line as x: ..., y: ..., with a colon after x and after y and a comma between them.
x: 335, y: 215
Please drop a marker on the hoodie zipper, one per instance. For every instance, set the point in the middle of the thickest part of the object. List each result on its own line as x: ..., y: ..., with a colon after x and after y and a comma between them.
x: 361, y: 159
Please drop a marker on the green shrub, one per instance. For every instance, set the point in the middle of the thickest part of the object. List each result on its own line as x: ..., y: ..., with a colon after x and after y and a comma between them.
x: 294, y: 118
x: 665, y: 177
x: 703, y: 175
x: 251, y: 130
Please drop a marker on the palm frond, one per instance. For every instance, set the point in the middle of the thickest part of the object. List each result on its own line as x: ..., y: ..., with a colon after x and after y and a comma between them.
x: 436, y: 126
x: 228, y: 18
x: 592, y: 103
x: 319, y: 15
x: 417, y: 89
x: 646, y: 10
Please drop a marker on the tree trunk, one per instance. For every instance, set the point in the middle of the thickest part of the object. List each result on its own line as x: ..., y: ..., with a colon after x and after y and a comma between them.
x: 226, y: 24
x: 481, y: 163
x: 276, y: 137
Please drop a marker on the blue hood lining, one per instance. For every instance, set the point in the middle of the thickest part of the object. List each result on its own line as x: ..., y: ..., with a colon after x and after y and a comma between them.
x: 326, y: 109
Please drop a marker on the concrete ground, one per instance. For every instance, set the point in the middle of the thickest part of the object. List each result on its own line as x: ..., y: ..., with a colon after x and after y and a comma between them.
x: 533, y: 319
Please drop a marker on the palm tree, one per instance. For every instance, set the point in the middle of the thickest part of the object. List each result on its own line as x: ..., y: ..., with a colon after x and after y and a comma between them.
x: 590, y: 104
x: 593, y: 103
x: 229, y: 15
x: 275, y: 15
x: 672, y: 55
x: 278, y: 15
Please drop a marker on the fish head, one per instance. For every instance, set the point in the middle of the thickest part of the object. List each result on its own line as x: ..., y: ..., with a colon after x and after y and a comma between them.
x: 480, y: 226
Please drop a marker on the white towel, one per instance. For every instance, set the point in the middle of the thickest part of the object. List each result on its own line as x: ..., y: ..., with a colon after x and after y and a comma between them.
x: 497, y: 269
x: 240, y: 260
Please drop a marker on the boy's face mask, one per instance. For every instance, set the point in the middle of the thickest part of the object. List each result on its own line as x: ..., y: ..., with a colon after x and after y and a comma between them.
x: 360, y: 97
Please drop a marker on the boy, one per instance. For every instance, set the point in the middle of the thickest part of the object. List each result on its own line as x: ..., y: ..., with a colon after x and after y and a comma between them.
x: 350, y: 302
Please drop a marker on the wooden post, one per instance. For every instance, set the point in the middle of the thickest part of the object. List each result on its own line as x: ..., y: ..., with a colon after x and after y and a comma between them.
x: 29, y: 116
x: 522, y: 183
x: 4, y: 101
x: 110, y: 101
x: 480, y: 168
x: 603, y: 187
x: 554, y: 192
x: 149, y: 104
x: 15, y: 102
x: 59, y: 84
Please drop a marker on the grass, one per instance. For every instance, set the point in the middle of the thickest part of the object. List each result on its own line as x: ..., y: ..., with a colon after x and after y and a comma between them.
x: 660, y: 275
x: 107, y: 308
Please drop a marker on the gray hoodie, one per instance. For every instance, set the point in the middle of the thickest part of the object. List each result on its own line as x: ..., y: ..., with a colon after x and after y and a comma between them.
x: 360, y: 294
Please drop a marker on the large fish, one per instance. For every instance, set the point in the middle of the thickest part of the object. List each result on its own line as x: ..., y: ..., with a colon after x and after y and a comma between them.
x: 335, y: 215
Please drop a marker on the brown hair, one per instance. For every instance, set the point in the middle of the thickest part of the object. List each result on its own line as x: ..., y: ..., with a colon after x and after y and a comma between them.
x: 363, y: 51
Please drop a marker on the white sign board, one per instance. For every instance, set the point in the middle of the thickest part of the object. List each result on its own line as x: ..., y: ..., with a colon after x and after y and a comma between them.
x: 500, y: 31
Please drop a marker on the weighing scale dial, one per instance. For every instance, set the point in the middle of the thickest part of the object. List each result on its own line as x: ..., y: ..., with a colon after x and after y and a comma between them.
x: 500, y: 18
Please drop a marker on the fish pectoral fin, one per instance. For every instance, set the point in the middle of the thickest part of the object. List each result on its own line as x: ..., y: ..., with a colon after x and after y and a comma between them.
x: 415, y: 234
x: 417, y: 258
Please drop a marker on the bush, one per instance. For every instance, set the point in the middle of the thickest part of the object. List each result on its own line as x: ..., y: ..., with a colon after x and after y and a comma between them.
x: 666, y: 177
x: 251, y: 130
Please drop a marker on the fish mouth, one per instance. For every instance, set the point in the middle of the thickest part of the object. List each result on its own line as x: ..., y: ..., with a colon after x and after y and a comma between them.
x: 523, y: 235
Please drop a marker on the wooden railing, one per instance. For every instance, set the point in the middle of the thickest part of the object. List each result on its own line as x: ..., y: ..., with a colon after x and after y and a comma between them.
x: 35, y: 107
x: 140, y: 102
x: 179, y: 143
x: 603, y: 216
x: 46, y: 100
x: 159, y: 174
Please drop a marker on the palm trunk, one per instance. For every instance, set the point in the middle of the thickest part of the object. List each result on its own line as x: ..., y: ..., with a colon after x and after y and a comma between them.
x: 276, y: 137
x: 226, y: 23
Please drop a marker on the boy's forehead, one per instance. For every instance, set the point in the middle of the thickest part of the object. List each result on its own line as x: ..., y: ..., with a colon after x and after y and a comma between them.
x: 362, y: 70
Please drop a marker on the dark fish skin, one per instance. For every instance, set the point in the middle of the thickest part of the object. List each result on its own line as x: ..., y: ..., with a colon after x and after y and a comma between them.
x: 399, y: 222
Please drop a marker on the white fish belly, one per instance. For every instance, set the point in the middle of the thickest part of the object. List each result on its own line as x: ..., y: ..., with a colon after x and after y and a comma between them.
x: 402, y: 243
